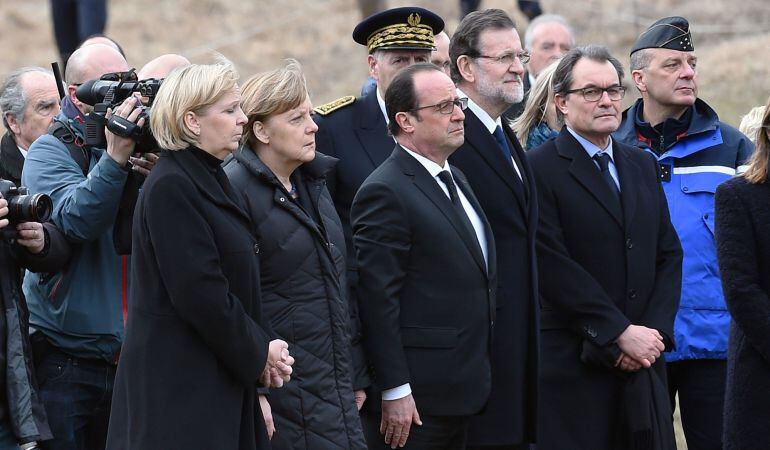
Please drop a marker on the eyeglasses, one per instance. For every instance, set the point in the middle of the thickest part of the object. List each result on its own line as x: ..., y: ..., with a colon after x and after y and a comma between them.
x: 594, y: 94
x: 446, y: 107
x: 508, y: 58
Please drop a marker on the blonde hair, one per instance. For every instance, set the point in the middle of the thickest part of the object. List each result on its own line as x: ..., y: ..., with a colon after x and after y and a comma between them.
x: 758, y: 163
x: 751, y: 123
x: 188, y: 89
x: 269, y: 93
x: 540, y: 97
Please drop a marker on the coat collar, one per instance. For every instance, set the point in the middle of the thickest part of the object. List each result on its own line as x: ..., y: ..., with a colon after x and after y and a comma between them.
x: 372, y: 130
x: 11, y: 158
x: 317, y: 169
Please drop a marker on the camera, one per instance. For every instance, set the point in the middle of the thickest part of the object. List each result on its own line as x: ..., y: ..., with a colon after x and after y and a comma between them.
x: 110, y: 91
x: 23, y: 207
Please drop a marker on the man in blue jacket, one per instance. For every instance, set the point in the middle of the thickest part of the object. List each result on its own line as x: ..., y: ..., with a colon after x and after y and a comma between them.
x: 696, y: 152
x: 78, y: 312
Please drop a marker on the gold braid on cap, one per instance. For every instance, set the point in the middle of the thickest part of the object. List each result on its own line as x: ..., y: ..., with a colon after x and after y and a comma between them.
x: 685, y: 35
x: 402, y: 35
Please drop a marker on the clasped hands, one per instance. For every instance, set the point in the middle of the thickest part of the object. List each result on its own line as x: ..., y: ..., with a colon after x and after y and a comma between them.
x: 278, y: 367
x: 641, y: 346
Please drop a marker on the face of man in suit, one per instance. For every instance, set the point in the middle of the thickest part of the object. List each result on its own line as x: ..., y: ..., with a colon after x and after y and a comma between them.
x: 550, y: 41
x: 427, y: 130
x: 385, y: 64
x: 440, y: 56
x: 42, y: 104
x: 595, y: 120
x: 494, y: 78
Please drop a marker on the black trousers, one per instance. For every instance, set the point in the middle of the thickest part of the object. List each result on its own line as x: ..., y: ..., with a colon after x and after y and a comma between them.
x: 700, y: 384
x: 436, y: 432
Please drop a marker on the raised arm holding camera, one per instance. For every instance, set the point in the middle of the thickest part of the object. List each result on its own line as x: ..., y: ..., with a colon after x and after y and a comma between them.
x: 79, y: 312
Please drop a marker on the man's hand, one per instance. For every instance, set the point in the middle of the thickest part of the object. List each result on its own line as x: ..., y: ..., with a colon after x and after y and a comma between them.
x: 642, y: 344
x: 31, y: 235
x: 360, y: 396
x: 627, y: 363
x: 3, y: 212
x: 143, y: 163
x: 267, y: 414
x: 397, y: 418
x: 120, y: 148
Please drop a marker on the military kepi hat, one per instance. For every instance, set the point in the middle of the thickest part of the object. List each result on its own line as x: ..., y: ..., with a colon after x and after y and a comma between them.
x: 407, y: 28
x: 670, y: 32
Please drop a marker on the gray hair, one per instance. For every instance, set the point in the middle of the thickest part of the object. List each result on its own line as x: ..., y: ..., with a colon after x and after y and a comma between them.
x: 640, y: 59
x: 12, y: 98
x: 562, y: 77
x: 465, y: 40
x: 529, y: 36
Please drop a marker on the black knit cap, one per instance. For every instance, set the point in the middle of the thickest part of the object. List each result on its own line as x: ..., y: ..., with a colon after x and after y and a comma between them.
x: 407, y: 28
x: 670, y: 32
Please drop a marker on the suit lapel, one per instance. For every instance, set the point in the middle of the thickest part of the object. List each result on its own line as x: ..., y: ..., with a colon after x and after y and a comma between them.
x: 11, y: 157
x: 478, y: 137
x: 372, y: 130
x: 586, y: 173
x: 430, y: 188
x: 462, y: 182
x: 630, y: 176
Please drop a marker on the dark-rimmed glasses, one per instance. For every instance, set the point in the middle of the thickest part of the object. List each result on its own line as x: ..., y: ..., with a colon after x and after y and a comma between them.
x: 594, y: 93
x: 508, y: 58
x: 446, y: 107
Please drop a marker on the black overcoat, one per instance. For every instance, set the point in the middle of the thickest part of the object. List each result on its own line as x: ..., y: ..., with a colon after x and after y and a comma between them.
x: 302, y: 265
x: 426, y: 295
x: 743, y: 249
x: 194, y: 349
x: 600, y: 270
x: 509, y: 418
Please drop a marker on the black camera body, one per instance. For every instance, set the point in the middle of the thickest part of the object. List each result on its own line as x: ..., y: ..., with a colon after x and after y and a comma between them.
x: 103, y: 94
x: 23, y: 207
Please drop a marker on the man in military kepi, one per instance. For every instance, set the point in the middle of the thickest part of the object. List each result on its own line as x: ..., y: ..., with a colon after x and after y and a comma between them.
x: 696, y: 152
x: 354, y: 130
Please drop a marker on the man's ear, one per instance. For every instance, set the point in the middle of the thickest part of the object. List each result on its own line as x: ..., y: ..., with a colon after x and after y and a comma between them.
x: 639, y: 80
x: 404, y: 122
x: 73, y: 97
x: 465, y: 68
x: 13, y: 123
x: 561, y: 103
x: 373, y: 69
x: 261, y: 132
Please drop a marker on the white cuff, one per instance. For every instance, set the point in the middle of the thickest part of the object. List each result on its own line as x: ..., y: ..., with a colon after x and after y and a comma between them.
x: 397, y: 392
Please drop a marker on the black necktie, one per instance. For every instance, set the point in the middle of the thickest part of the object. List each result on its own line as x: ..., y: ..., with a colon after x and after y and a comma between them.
x: 603, y: 159
x: 446, y: 178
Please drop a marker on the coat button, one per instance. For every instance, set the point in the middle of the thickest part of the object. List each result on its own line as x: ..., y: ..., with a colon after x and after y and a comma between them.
x: 256, y: 249
x: 685, y: 189
x: 282, y: 199
x: 629, y: 243
x: 632, y: 294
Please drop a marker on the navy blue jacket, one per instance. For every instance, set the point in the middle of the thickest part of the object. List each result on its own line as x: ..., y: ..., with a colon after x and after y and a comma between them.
x: 709, y: 153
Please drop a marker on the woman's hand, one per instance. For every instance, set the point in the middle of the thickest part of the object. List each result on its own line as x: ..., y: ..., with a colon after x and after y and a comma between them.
x: 267, y: 414
x: 360, y: 396
x: 278, y: 368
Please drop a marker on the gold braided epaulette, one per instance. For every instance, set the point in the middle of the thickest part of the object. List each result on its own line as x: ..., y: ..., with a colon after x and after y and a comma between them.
x: 334, y: 105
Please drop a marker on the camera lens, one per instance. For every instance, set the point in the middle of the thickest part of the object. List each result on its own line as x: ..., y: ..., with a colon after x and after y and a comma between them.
x: 30, y: 208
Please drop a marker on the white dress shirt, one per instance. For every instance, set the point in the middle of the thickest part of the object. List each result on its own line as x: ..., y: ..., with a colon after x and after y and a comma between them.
x: 593, y: 149
x: 489, y: 123
x: 478, y: 226
x: 23, y: 152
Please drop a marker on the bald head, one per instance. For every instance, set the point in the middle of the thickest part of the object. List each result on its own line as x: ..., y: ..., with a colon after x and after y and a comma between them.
x: 161, y: 66
x: 93, y: 61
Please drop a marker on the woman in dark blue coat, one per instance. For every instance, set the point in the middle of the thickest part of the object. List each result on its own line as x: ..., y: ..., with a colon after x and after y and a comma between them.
x: 194, y: 350
x: 302, y: 265
x: 743, y: 249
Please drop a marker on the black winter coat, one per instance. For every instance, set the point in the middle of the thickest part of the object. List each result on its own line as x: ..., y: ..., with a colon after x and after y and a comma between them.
x: 194, y: 349
x: 743, y: 249
x: 302, y: 262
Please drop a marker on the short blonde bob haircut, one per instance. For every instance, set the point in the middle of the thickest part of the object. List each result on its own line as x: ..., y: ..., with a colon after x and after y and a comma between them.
x: 269, y: 93
x: 188, y: 89
x: 751, y: 123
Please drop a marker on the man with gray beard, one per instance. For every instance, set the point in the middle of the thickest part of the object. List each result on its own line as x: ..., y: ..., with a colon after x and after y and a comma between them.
x: 487, y: 67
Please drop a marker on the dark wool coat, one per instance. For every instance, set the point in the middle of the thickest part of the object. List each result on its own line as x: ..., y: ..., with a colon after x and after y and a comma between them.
x: 194, y: 350
x: 743, y: 249
x: 302, y: 262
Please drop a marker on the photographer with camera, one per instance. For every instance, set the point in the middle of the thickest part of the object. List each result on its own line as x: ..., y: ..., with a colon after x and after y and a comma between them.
x: 78, y: 313
x: 25, y: 243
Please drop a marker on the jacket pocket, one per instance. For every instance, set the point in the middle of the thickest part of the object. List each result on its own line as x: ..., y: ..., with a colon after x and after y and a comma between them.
x: 429, y: 337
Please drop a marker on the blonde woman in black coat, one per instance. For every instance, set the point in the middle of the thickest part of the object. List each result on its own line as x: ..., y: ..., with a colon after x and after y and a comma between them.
x: 195, y: 350
x: 743, y: 249
x: 302, y: 265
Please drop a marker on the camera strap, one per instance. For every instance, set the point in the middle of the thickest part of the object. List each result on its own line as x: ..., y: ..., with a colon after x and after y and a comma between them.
x: 80, y: 153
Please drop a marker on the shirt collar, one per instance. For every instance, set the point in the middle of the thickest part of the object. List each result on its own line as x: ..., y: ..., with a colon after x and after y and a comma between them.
x: 432, y: 168
x: 381, y: 101
x: 490, y: 123
x: 531, y: 79
x: 590, y: 147
x: 23, y: 152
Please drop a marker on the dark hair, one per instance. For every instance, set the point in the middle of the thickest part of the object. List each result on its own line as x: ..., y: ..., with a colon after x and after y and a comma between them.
x: 562, y: 77
x: 401, y: 96
x: 465, y: 40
